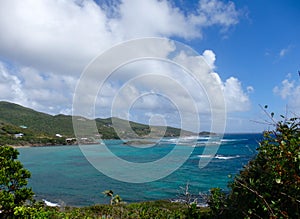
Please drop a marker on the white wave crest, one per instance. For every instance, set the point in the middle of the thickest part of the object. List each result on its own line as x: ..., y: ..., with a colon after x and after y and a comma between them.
x: 51, y: 204
x: 205, y: 156
x: 222, y: 157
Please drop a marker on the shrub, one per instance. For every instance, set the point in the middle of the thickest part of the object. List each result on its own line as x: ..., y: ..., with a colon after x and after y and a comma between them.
x: 13, y: 181
x: 269, y: 186
x: 217, y: 202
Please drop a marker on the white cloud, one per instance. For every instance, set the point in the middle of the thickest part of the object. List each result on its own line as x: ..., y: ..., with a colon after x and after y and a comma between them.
x: 210, y: 58
x: 50, y: 42
x: 63, y: 36
x: 289, y: 90
x: 236, y: 98
x: 58, y: 36
x: 161, y: 87
x: 150, y: 17
x: 10, y: 86
x: 26, y: 86
x: 217, y: 12
x: 161, y: 18
x: 285, y: 90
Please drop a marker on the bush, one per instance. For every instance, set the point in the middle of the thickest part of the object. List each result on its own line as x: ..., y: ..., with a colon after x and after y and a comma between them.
x: 217, y: 202
x: 13, y: 181
x: 269, y: 186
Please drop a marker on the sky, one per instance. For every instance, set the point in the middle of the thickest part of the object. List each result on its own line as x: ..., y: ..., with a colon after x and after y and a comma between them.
x: 251, y: 48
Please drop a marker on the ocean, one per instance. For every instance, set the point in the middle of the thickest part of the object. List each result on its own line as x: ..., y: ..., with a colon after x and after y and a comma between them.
x: 62, y: 174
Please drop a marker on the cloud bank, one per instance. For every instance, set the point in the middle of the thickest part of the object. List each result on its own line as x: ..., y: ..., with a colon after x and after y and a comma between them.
x: 45, y: 45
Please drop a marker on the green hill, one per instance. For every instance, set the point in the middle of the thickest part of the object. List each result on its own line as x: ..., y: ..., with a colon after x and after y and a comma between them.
x: 15, y: 135
x: 42, y: 124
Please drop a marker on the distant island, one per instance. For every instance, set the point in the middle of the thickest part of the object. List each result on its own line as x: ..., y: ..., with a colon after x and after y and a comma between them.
x: 21, y: 126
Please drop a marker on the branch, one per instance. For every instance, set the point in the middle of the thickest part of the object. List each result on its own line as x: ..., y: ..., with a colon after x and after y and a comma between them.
x: 264, y: 122
x: 270, y: 117
x: 290, y: 197
x: 260, y: 196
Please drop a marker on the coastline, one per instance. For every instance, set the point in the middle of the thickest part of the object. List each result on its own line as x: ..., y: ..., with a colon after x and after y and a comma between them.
x: 40, y: 145
x: 51, y: 145
x: 17, y: 146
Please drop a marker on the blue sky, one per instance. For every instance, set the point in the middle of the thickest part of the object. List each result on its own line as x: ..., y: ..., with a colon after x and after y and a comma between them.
x: 253, y: 47
x: 262, y: 50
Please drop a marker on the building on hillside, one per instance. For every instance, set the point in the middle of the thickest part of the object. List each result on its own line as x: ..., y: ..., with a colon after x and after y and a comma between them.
x: 19, y: 135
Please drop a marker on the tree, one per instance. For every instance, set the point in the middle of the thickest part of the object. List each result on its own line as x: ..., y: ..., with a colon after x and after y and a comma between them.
x: 269, y: 185
x: 13, y: 181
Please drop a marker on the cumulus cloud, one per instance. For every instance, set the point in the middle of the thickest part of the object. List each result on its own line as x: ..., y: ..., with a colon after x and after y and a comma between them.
x: 10, y: 86
x: 285, y: 90
x: 217, y: 12
x: 63, y: 36
x: 289, y: 90
x: 164, y: 88
x: 235, y: 96
x: 210, y: 57
x: 60, y: 36
x: 49, y: 43
x: 44, y: 92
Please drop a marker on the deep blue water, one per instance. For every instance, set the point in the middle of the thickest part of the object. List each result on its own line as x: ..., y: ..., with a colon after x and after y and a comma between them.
x: 62, y: 174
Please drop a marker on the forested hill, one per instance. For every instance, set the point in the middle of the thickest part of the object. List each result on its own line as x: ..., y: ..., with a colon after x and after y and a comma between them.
x: 42, y: 123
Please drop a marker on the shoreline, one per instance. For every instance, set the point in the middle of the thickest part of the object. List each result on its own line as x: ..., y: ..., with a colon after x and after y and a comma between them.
x: 40, y: 145
x: 52, y: 145
x: 128, y: 142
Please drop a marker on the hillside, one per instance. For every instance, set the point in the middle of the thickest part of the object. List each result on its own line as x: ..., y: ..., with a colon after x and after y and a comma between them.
x: 15, y: 135
x: 42, y: 124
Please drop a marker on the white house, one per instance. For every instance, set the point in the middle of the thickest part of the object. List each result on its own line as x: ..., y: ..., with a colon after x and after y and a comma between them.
x: 19, y: 135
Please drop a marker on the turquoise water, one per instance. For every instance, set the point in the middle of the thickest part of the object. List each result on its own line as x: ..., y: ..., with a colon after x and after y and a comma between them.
x: 62, y: 174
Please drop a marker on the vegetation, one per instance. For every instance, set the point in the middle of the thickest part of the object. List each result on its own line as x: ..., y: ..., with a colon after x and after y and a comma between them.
x: 9, y: 136
x: 13, y: 181
x: 43, y: 127
x: 269, y: 186
x: 143, y: 210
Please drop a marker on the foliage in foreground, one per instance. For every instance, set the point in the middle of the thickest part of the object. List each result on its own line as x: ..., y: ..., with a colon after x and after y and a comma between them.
x: 269, y: 186
x: 13, y: 181
x: 144, y: 210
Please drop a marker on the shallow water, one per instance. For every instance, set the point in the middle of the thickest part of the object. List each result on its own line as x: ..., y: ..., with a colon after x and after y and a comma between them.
x: 61, y: 174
